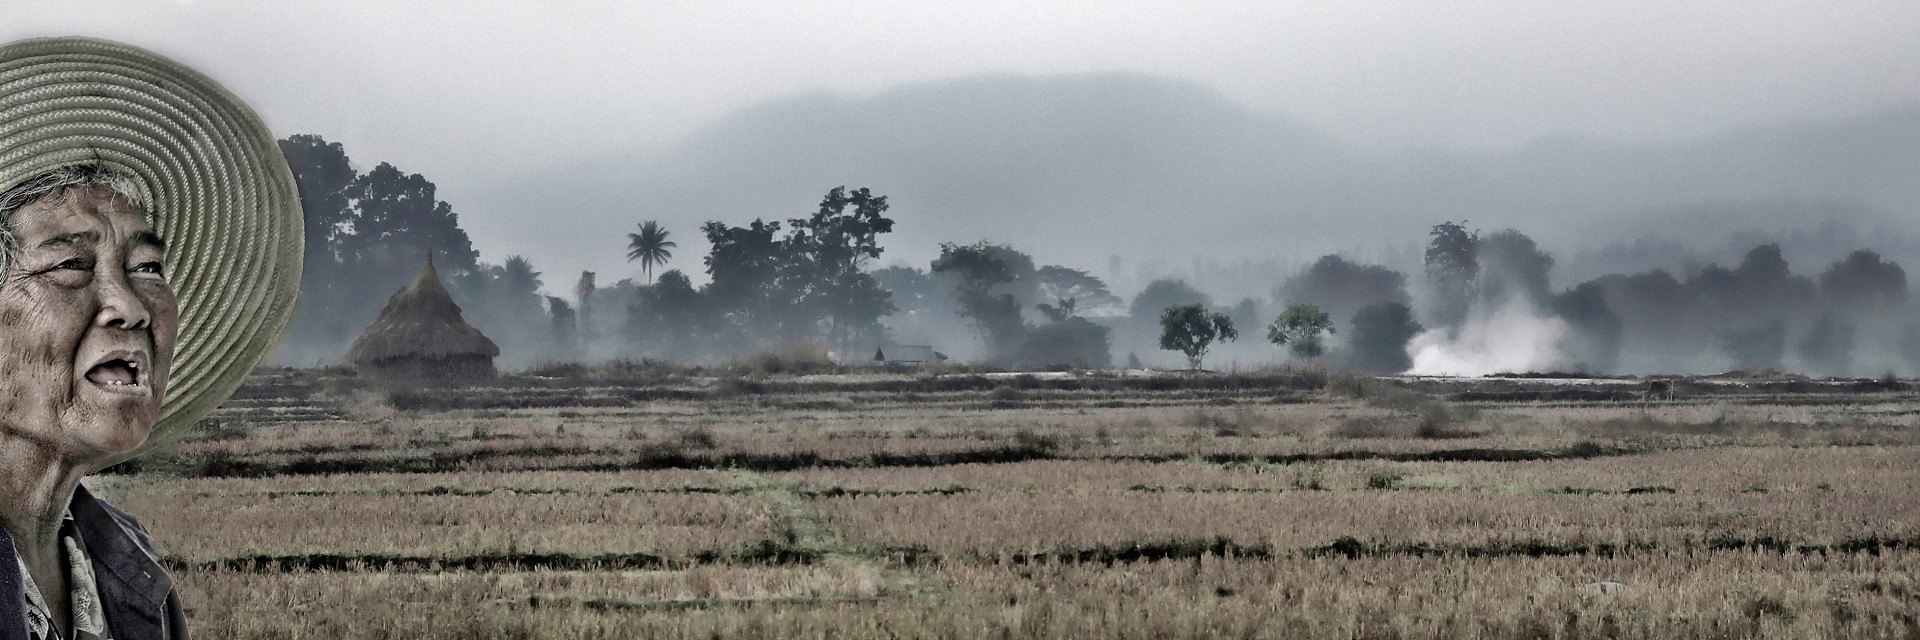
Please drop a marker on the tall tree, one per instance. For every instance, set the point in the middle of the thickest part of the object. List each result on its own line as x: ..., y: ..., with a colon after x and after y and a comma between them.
x: 1452, y: 262
x: 322, y: 173
x: 744, y: 267
x: 651, y: 247
x: 826, y: 257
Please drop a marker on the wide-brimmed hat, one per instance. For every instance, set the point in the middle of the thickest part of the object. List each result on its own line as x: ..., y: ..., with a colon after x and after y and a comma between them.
x: 219, y: 191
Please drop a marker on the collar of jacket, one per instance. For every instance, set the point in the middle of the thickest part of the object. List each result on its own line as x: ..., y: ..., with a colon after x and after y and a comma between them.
x: 133, y: 588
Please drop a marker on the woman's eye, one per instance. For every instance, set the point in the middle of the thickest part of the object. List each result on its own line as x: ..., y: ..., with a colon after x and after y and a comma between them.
x: 75, y: 263
x: 149, y: 267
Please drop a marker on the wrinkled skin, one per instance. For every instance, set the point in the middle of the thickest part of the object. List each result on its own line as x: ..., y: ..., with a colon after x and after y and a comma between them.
x: 86, y: 284
x: 85, y: 287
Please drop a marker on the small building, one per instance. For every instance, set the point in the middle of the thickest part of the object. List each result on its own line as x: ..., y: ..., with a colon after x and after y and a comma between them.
x: 421, y: 338
x: 907, y: 354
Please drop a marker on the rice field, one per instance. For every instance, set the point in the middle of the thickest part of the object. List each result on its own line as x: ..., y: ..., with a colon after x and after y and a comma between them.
x: 1267, y: 505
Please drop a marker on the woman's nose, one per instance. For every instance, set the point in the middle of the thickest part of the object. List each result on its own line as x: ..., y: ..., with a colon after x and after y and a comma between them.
x: 120, y: 306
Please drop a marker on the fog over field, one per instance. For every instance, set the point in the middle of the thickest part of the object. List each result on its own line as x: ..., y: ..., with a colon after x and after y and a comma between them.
x: 1686, y: 186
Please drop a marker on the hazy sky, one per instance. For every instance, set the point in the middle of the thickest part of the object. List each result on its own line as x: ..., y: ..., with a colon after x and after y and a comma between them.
x: 470, y: 91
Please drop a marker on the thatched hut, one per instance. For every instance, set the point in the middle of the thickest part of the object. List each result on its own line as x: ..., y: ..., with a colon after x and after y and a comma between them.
x: 421, y: 338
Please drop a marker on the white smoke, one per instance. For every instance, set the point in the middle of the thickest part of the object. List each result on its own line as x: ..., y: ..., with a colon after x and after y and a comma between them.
x: 1512, y: 339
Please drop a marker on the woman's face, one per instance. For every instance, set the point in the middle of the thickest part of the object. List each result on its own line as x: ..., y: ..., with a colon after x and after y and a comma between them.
x: 87, y: 324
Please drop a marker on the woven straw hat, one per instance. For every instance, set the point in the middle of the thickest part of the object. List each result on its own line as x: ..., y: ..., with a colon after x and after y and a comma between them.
x: 221, y: 195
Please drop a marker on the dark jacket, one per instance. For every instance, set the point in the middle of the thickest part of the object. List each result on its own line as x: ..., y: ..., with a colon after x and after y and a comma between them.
x: 136, y: 594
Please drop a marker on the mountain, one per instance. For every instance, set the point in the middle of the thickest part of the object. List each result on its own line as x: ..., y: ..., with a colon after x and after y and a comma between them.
x: 1075, y: 168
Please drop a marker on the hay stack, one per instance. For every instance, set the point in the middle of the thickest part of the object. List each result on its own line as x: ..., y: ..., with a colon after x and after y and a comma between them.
x: 420, y: 337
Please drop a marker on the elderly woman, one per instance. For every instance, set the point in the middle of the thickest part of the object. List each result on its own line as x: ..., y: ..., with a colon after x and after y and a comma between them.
x: 149, y: 251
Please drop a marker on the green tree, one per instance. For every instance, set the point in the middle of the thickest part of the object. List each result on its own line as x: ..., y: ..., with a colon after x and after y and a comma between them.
x: 1381, y: 332
x: 1190, y: 329
x: 1299, y: 328
x: 651, y: 247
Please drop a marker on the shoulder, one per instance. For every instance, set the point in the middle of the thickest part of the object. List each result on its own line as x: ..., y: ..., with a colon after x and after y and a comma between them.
x: 131, y: 527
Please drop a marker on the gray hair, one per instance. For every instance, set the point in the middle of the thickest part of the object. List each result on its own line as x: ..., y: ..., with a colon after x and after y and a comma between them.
x: 57, y: 183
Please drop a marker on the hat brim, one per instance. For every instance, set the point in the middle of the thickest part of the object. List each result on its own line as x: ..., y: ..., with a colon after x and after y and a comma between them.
x: 219, y: 191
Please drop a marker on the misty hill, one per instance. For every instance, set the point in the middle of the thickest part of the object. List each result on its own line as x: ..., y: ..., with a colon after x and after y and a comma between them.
x: 1075, y: 168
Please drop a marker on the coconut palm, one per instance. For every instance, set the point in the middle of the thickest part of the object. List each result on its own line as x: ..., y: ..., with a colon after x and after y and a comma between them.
x: 650, y: 247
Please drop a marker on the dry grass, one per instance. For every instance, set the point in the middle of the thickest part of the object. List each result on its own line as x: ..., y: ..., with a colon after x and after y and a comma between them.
x: 1703, y: 595
x: 197, y: 529
x: 1032, y: 508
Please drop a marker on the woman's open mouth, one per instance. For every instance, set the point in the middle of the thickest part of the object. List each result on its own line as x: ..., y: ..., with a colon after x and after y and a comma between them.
x: 121, y: 372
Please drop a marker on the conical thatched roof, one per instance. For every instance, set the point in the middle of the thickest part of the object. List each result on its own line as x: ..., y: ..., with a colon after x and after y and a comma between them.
x: 420, y: 320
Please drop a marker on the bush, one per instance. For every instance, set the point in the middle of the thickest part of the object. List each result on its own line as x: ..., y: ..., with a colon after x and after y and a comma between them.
x: 1074, y: 342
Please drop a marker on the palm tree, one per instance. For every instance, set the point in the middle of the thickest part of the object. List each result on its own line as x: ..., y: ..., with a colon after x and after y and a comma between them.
x: 650, y: 247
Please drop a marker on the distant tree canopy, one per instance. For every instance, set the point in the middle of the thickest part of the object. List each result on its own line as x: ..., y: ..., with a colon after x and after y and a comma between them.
x: 1453, y: 265
x: 770, y: 288
x: 366, y: 235
x: 982, y: 270
x: 1342, y: 287
x: 1379, y: 340
x: 1191, y: 330
x: 1160, y: 294
x: 1864, y: 283
x: 1594, y: 344
x: 1513, y: 268
x: 812, y: 281
x: 1078, y: 290
x: 670, y: 319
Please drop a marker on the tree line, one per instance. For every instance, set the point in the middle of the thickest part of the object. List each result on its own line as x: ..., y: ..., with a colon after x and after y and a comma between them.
x: 812, y: 280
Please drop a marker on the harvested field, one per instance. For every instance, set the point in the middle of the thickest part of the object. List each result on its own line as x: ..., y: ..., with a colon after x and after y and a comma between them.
x: 1278, y: 505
